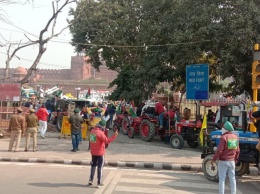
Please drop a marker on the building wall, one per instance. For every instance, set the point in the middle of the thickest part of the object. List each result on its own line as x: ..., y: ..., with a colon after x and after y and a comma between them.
x: 54, y: 74
x: 80, y: 69
x: 104, y: 73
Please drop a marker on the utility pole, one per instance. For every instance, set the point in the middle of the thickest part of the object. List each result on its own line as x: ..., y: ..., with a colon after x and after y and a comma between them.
x: 255, y: 77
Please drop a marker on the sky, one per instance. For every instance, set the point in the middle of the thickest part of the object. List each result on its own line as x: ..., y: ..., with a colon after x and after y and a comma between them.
x: 30, y: 19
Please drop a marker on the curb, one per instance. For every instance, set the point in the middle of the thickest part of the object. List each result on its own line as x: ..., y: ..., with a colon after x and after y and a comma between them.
x: 140, y: 165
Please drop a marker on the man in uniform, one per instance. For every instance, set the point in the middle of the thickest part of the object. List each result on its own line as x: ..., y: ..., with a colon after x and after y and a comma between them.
x: 32, y: 122
x: 17, y: 128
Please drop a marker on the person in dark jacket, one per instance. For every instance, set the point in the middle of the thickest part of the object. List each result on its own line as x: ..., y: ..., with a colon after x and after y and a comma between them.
x: 256, y: 116
x: 75, y: 127
x: 227, y: 155
x: 111, y: 112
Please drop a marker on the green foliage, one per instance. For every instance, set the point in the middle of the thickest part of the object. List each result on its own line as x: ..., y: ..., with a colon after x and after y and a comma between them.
x: 151, y: 41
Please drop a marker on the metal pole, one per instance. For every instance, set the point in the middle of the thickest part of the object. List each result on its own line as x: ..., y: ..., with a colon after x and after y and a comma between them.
x: 169, y: 119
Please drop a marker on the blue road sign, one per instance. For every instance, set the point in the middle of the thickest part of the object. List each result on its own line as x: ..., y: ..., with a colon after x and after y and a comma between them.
x: 197, y: 82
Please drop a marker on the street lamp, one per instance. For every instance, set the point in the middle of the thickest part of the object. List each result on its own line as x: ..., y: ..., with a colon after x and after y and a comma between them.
x: 77, y: 89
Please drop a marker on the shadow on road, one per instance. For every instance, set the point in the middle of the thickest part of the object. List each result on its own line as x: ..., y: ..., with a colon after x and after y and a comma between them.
x: 56, y: 185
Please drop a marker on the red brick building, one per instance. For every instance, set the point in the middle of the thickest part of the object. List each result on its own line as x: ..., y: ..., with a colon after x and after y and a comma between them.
x: 81, y: 74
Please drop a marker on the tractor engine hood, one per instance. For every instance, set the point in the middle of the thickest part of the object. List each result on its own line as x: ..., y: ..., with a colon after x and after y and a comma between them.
x: 244, y: 137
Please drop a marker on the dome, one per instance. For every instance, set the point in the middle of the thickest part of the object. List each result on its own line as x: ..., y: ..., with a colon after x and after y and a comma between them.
x: 20, y: 71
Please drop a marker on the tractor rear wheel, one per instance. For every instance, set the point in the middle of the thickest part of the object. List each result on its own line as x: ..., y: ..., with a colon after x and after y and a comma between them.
x: 241, y: 168
x: 177, y: 141
x: 147, y: 130
x: 131, y: 132
x: 125, y: 125
x: 211, y: 173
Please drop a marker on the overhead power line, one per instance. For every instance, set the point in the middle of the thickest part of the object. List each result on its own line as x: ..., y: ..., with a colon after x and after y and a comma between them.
x: 40, y: 63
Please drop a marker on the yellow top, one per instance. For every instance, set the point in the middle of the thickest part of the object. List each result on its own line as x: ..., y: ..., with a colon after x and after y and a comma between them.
x: 96, y: 119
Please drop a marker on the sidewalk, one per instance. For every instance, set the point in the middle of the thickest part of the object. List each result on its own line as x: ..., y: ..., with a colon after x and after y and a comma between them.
x: 123, y: 152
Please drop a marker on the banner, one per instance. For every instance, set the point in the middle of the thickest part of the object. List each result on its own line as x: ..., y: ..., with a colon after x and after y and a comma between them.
x: 65, y: 129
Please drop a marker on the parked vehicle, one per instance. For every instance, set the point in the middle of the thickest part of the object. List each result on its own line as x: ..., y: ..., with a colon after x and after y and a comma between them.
x: 61, y: 110
x: 248, y: 153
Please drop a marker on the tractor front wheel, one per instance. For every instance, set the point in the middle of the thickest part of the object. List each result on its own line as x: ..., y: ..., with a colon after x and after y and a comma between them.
x: 147, y: 130
x: 125, y: 125
x: 177, y: 141
x: 131, y: 132
x: 116, y: 127
x: 210, y: 172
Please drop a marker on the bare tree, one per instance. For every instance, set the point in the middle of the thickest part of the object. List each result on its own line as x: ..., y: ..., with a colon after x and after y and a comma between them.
x: 41, y: 41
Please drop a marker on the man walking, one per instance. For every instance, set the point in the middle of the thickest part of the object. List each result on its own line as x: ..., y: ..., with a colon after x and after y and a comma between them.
x: 111, y: 112
x: 42, y: 115
x: 75, y: 128
x: 227, y: 154
x: 97, y: 146
x: 32, y: 122
x: 16, y: 127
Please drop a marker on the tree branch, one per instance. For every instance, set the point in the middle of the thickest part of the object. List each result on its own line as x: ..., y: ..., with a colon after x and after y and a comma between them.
x: 43, y: 41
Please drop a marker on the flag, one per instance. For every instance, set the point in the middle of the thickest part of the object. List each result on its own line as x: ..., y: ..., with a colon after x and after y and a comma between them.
x: 88, y: 93
x: 204, y: 126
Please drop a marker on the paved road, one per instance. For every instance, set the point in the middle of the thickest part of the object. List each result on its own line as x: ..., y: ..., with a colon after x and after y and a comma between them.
x: 122, y: 149
x: 24, y: 178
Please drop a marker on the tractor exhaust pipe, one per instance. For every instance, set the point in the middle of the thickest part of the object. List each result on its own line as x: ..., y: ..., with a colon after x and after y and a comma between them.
x: 244, y: 121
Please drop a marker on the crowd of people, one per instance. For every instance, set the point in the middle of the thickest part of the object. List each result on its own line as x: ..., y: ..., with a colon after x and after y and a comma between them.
x: 97, y: 116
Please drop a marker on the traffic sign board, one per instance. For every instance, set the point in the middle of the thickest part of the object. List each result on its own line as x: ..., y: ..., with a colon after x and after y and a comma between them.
x: 197, y: 82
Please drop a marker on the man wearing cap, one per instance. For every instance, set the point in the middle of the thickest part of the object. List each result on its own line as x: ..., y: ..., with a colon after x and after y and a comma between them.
x: 32, y: 121
x: 17, y: 128
x: 75, y: 128
x: 98, y: 139
x: 227, y: 155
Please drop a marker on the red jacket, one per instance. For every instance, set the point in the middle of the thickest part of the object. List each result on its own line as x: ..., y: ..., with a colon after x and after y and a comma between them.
x: 228, y: 148
x: 159, y: 108
x: 98, y: 140
x: 170, y: 114
x: 42, y: 114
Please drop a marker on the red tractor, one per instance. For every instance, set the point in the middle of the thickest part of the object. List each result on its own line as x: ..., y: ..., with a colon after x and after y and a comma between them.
x: 117, y: 123
x: 190, y: 130
x: 144, y: 125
